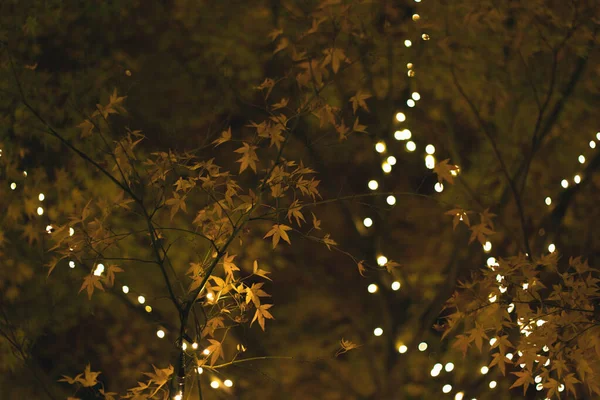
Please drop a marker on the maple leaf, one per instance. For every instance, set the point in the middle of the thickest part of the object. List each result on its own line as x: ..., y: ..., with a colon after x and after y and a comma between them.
x: 90, y: 282
x: 249, y: 157
x: 570, y: 380
x: 228, y: 265
x: 444, y: 171
x: 346, y: 346
x: 254, y: 293
x: 358, y: 100
x: 462, y: 343
x: 108, y: 395
x: 334, y: 56
x: 69, y: 380
x: 262, y: 313
x: 176, y: 203
x: 89, y: 378
x: 115, y: 102
x: 215, y: 349
x: 225, y: 137
x: 458, y: 215
x: 278, y: 231
x: 477, y: 335
x: 486, y: 217
x: 212, y: 325
x: 357, y: 127
x: 260, y: 272
x: 110, y: 274
x: 328, y: 241
x: 274, y: 34
x: 500, y: 360
x: 480, y: 232
x: 160, y: 377
x: 294, y: 211
x: 390, y: 265
x: 86, y: 128
x: 525, y: 379
x: 342, y: 131
x: 283, y: 44
x: 282, y: 103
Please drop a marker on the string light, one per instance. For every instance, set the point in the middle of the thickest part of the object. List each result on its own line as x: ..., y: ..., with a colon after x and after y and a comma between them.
x: 49, y: 228
x: 99, y: 269
x: 491, y: 262
x: 13, y: 186
x: 435, y: 371
x: 416, y: 96
x: 438, y: 187
x: 391, y: 160
x: 382, y: 260
x: 178, y: 396
x: 41, y: 197
x: 598, y: 135
x: 125, y: 289
x: 551, y: 248
x: 200, y: 370
x: 228, y: 383
x: 206, y: 352
x: 380, y: 147
x: 194, y: 345
x: 430, y: 149
x: 372, y: 288
x: 386, y: 167
x: 422, y: 346
x: 71, y: 264
x: 160, y: 333
x: 378, y: 332
x: 396, y: 285
x: 214, y: 384
x: 548, y: 201
x: 581, y: 159
x: 400, y: 117
x: 409, y: 65
x: 391, y: 200
x: 564, y: 183
x: 493, y: 341
x: 592, y: 144
x: 40, y: 211
x: 449, y: 367
x: 404, y: 134
x: 411, y: 103
x: 484, y: 370
x: 402, y: 349
x: 577, y: 179
x: 411, y: 73
x: 373, y: 185
x: 141, y: 299
x: 430, y: 161
x: 487, y: 247
x: 493, y: 384
x: 368, y: 222
x: 416, y: 17
x: 407, y: 43
x: 425, y: 36
x: 447, y: 388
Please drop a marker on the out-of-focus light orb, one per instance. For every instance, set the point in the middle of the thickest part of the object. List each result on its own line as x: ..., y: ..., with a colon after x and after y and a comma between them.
x: 493, y: 384
x: 402, y: 349
x: 368, y: 222
x: 373, y: 185
x: 459, y: 396
x: 382, y: 260
x: 200, y: 370
x: 214, y: 384
x: 429, y: 161
x: 40, y: 211
x: 71, y: 264
x: 372, y: 288
x: 378, y: 331
x: 449, y: 367
x: 391, y: 160
x: 41, y: 197
x: 425, y: 36
x: 407, y: 43
x: 380, y: 147
x: 141, y: 299
x: 416, y: 96
x: 416, y: 17
x: 422, y: 346
x: 564, y: 183
x: 160, y: 333
x: 13, y: 186
x: 396, y: 285
x: 386, y: 167
x: 577, y: 179
x: 435, y: 372
x: 400, y: 117
x: 487, y: 246
x: 491, y: 261
x: 391, y: 200
x: 430, y: 149
x: 493, y: 341
x: 548, y: 201
x: 551, y: 248
x: 592, y: 144
x: 148, y: 309
x: 411, y: 103
x: 228, y: 383
x: 484, y: 370
x: 125, y: 289
x: 447, y: 388
x: 581, y: 159
x: 438, y: 187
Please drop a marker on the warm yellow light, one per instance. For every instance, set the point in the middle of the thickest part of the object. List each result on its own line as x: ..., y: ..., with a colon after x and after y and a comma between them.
x: 49, y: 228
x: 368, y: 222
x: 386, y: 167
x: 178, y: 396
x: 449, y: 367
x: 400, y: 117
x: 407, y: 43
x: 422, y: 346
x: 402, y: 349
x: 378, y: 332
x: 396, y: 285
x: 210, y: 296
x: 447, y: 388
x: 598, y: 135
x: 391, y: 200
x: 581, y: 159
x: 382, y: 260
x: 416, y: 17
x: 416, y: 96
x: 373, y: 185
x: 99, y: 269
x: 435, y: 372
x: 71, y: 231
x: 194, y: 345
x: 148, y: 309
x: 551, y: 248
x: 491, y: 262
x: 206, y: 352
x: 510, y: 308
x: 487, y: 246
x: 509, y: 356
x: 141, y: 299
x: 411, y: 146
x: 372, y: 288
x: 41, y: 197
x: 493, y: 384
x: 125, y: 289
x: 380, y: 147
x: 493, y: 341
x: 391, y: 160
x: 214, y: 384
x: 484, y: 370
x: 564, y: 183
x: 459, y: 396
x: 438, y: 187
x: 538, y: 379
x: 404, y: 134
x: 40, y: 211
x: 430, y: 149
x: 411, y: 103
x: 24, y: 173
x: 200, y: 370
x: 425, y: 36
x: 539, y: 387
x: 548, y: 201
x: 13, y: 186
x: 577, y: 179
x: 160, y: 333
x: 409, y: 65
x: 592, y: 144
x: 228, y: 382
x: 71, y: 264
x: 430, y: 161
x: 184, y: 346
x: 411, y: 73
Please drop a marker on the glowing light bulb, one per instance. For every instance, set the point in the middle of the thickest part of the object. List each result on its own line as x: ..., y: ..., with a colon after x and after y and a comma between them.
x: 214, y: 384
x: 404, y: 134
x: 409, y: 65
x: 577, y: 179
x: 194, y: 345
x: 71, y: 264
x: 380, y: 147
x: 430, y: 161
x: 178, y: 396
x: 200, y: 370
x: 447, y: 388
x: 40, y: 211
x: 493, y: 341
x: 551, y: 248
x: 538, y: 379
x: 493, y: 384
x: 539, y: 387
x: 491, y: 261
x: 13, y: 186
x: 373, y: 185
x: 368, y: 222
x: 449, y: 367
x: 184, y: 346
x: 396, y: 285
x: 49, y: 228
x: 592, y: 144
x: 548, y: 201
x: 378, y: 332
x: 99, y: 269
x: 509, y: 356
x: 148, y: 309
x: 141, y: 299
x: 206, y: 352
x: 487, y: 246
x: 459, y: 396
x: 438, y: 187
x: 430, y: 149
x: 411, y: 103
x: 411, y: 73
x: 382, y: 260
x: 386, y: 167
x: 581, y: 159
x: 160, y: 333
x: 484, y: 370
x: 416, y: 17
x: 391, y: 160
x: 416, y: 96
x: 407, y: 43
x: 125, y: 289
x: 492, y: 298
x: 564, y: 183
x: 71, y: 231
x: 400, y: 117
x: 228, y: 383
x: 372, y: 288
x: 425, y: 36
x: 422, y: 346
x: 435, y: 372
x: 24, y: 173
x: 402, y: 349
x: 391, y: 200
x: 41, y: 197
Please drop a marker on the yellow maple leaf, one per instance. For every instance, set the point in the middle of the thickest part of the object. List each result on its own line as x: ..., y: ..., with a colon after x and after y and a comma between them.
x: 90, y: 282
x: 249, y: 157
x: 358, y: 100
x: 278, y: 231
x: 225, y: 137
x: 262, y: 313
x: 444, y: 171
